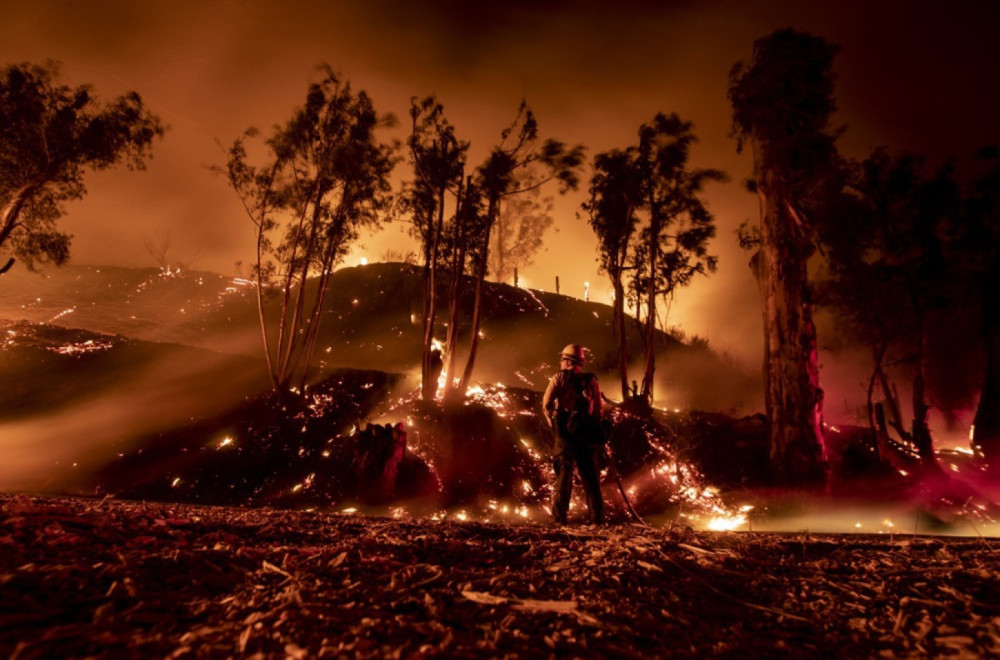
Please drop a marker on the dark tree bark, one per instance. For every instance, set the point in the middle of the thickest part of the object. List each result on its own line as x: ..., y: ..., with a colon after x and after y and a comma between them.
x: 649, y: 368
x: 621, y: 329
x: 782, y: 104
x: 792, y: 394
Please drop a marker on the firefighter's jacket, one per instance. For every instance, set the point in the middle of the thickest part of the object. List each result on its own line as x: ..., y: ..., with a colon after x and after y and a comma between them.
x: 572, y: 403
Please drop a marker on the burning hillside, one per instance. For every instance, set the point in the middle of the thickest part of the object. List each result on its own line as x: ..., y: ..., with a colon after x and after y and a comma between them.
x: 111, y: 414
x: 362, y: 440
x: 359, y: 442
x: 486, y: 459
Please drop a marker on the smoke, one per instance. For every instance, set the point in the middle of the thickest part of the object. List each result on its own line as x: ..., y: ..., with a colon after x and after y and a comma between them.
x: 592, y: 72
x: 59, y: 449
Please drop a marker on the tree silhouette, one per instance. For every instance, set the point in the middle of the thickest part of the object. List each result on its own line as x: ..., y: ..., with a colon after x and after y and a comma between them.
x: 673, y: 247
x: 890, y: 268
x: 159, y: 246
x: 646, y: 209
x: 616, y: 196
x: 51, y: 134
x: 325, y: 177
x: 782, y: 102
x: 438, y: 159
x: 464, y: 234
x: 520, y: 149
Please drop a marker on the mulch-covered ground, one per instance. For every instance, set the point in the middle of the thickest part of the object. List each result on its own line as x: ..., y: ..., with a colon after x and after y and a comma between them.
x: 87, y: 578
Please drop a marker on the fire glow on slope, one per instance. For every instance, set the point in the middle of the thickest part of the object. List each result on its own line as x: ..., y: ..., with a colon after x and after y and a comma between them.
x: 675, y: 493
x: 669, y: 484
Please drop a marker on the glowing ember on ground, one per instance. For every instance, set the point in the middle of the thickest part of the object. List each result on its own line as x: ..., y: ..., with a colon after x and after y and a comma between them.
x: 89, y: 346
x: 726, y: 524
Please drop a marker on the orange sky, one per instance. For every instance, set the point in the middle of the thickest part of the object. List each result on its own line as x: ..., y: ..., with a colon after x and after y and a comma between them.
x: 924, y: 79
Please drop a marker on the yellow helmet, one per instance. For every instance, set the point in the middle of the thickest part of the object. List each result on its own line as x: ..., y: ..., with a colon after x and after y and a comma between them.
x: 574, y: 353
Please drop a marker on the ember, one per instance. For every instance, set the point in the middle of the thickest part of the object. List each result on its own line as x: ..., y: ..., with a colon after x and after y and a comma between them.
x: 89, y: 346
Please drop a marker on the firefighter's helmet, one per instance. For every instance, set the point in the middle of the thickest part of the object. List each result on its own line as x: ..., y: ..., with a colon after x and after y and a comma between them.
x: 573, y: 353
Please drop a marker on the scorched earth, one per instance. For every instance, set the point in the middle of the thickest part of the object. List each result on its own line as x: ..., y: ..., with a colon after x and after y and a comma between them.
x: 116, y: 579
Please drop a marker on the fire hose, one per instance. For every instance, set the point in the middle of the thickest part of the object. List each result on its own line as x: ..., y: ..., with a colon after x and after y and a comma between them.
x: 621, y: 488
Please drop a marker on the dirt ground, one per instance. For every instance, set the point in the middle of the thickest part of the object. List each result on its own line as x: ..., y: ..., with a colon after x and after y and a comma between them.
x: 116, y: 579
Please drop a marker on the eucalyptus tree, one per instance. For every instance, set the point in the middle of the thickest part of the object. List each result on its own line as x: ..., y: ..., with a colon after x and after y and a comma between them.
x: 615, y: 199
x: 438, y: 159
x: 324, y: 176
x: 464, y: 234
x: 646, y: 208
x: 51, y: 135
x: 520, y: 149
x: 674, y: 241
x: 782, y: 103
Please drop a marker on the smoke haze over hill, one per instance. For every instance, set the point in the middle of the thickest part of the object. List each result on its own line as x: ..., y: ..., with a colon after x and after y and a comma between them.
x: 178, y: 346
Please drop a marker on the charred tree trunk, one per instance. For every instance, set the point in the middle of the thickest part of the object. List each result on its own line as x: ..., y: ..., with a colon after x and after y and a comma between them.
x: 878, y: 355
x: 891, y: 398
x: 459, y: 247
x: 428, y: 381
x: 477, y: 313
x: 332, y: 245
x: 621, y: 329
x: 451, y: 340
x: 261, y: 316
x: 425, y: 314
x: 650, y: 326
x: 876, y: 420
x: 792, y: 394
x: 9, y: 217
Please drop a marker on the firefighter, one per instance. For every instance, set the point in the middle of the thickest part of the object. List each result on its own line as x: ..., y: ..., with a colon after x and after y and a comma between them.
x: 572, y: 408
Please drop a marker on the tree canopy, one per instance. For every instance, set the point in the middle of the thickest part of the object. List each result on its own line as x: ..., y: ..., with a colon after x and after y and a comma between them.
x: 325, y: 177
x: 51, y: 134
x: 647, y: 211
